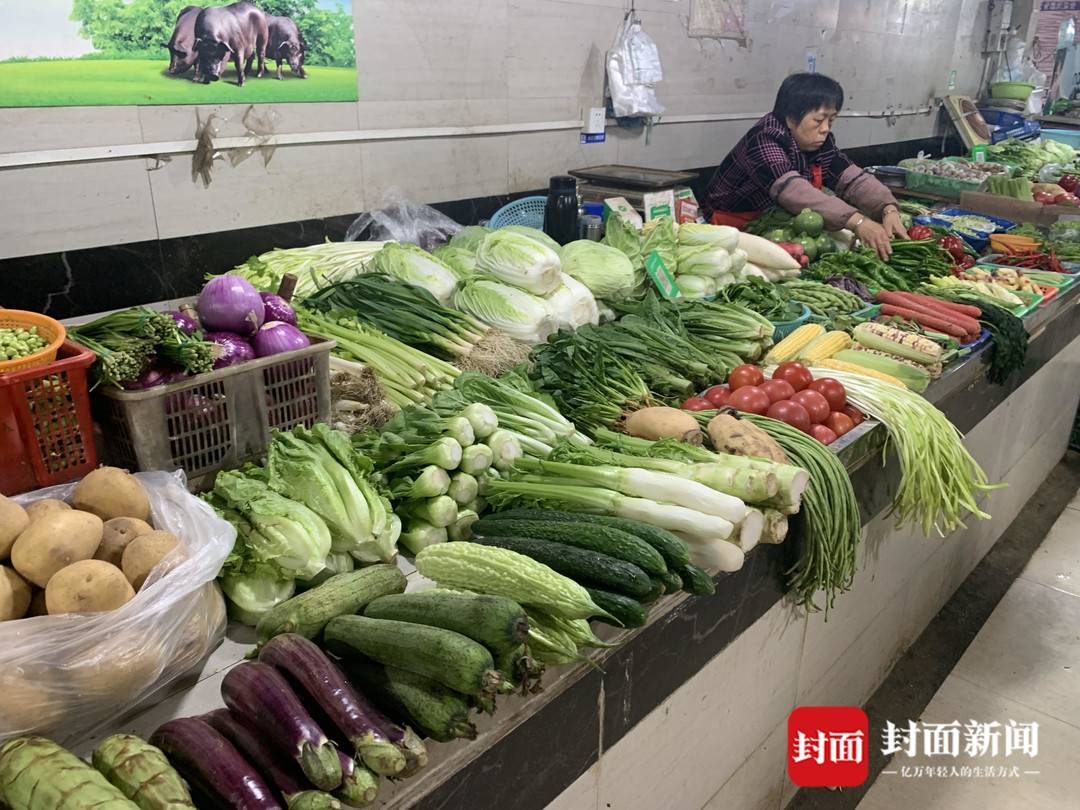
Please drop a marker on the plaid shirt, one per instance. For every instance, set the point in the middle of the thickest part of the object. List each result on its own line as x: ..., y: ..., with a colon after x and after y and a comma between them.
x: 765, y: 154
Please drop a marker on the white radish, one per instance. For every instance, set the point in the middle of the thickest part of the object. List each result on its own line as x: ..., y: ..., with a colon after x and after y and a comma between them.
x: 764, y: 253
x: 714, y: 553
x: 750, y: 530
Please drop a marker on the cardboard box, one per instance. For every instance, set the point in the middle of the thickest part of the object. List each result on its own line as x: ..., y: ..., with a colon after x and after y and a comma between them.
x: 1018, y: 211
x: 619, y: 207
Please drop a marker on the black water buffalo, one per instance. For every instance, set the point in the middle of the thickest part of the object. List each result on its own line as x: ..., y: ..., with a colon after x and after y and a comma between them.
x: 286, y: 45
x: 182, y: 45
x: 237, y: 32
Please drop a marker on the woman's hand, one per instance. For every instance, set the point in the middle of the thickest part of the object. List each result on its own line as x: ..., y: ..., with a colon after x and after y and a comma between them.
x: 876, y: 236
x: 892, y: 223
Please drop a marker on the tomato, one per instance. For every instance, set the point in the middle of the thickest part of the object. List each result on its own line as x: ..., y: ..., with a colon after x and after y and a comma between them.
x: 744, y: 375
x: 718, y: 395
x: 854, y: 414
x: 750, y: 399
x: 832, y: 390
x: 697, y: 404
x: 795, y: 373
x: 816, y: 405
x: 777, y: 390
x: 823, y: 434
x: 839, y: 423
x: 787, y: 410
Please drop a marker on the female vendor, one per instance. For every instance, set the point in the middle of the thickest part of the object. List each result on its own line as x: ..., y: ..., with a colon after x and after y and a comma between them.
x: 789, y: 156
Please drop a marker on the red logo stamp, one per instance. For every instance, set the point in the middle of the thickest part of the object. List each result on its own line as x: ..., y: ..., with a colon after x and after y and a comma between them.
x: 828, y: 746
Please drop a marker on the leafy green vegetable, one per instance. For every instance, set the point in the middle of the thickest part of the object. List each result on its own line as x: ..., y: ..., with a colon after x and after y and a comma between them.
x: 606, y: 271
x: 691, y: 233
x: 469, y: 237
x: 415, y: 266
x: 509, y: 309
x: 661, y: 236
x: 535, y: 234
x: 460, y: 261
x: 513, y: 258
x: 624, y: 237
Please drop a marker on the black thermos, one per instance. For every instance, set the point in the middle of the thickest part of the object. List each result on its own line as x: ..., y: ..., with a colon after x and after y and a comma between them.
x: 561, y: 211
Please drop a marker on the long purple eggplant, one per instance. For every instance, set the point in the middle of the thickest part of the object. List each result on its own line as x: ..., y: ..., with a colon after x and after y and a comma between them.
x: 281, y: 772
x: 359, y: 786
x: 261, y: 697
x: 305, y: 664
x: 213, y: 766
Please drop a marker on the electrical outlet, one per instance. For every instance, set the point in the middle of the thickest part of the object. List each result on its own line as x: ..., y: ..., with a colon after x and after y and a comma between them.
x: 595, y: 121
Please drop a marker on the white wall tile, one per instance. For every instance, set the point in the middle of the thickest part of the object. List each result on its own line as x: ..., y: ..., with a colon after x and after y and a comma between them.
x: 69, y: 206
x: 759, y: 782
x: 436, y: 169
x: 533, y: 158
x: 31, y: 128
x: 750, y: 686
x: 176, y: 123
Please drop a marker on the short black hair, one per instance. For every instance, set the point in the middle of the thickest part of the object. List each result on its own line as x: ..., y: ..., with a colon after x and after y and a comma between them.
x: 802, y: 93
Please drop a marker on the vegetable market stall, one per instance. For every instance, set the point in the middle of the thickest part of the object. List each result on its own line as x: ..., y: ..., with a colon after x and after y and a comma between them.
x: 706, y: 686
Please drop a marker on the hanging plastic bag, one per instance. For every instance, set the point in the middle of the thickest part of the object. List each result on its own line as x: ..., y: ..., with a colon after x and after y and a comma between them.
x: 66, y: 675
x: 398, y: 220
x: 633, y: 68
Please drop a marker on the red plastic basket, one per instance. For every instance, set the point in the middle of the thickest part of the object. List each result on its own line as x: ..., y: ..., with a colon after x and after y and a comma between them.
x: 46, y: 431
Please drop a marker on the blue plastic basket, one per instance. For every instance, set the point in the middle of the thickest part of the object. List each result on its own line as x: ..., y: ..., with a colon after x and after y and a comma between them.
x: 784, y: 328
x: 527, y: 211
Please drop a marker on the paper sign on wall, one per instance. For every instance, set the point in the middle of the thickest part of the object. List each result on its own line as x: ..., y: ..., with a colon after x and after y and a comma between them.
x: 74, y: 53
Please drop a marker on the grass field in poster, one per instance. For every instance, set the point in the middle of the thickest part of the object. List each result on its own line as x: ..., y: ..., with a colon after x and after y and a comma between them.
x: 62, y: 53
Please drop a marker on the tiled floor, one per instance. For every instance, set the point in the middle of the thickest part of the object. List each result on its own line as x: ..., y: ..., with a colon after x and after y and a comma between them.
x: 1024, y: 665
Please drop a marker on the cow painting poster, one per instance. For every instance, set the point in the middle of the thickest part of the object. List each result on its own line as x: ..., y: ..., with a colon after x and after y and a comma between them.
x: 74, y: 53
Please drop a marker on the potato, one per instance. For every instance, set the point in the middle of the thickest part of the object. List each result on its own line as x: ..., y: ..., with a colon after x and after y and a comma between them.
x: 29, y: 701
x: 37, y: 604
x: 38, y: 509
x: 14, y: 595
x: 740, y: 437
x: 118, y: 533
x: 119, y: 667
x: 55, y: 541
x: 13, y: 519
x: 144, y: 552
x: 87, y: 586
x: 110, y: 492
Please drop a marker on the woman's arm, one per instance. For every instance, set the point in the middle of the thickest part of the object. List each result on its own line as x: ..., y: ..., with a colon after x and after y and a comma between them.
x: 871, y: 196
x: 794, y: 192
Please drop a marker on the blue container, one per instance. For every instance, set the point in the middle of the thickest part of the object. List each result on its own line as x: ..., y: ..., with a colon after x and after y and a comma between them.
x: 527, y: 211
x: 784, y: 328
x: 1069, y: 136
x: 979, y: 242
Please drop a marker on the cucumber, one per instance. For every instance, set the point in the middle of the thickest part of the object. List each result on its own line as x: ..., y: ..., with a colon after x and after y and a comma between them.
x: 628, y: 611
x: 672, y: 582
x: 585, y: 567
x: 500, y: 624
x: 438, y: 712
x: 580, y: 534
x: 658, y: 590
x: 671, y: 548
x: 308, y: 613
x: 450, y: 658
x: 696, y: 581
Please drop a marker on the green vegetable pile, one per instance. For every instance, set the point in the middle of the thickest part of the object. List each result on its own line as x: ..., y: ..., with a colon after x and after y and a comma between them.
x: 824, y: 300
x: 864, y: 266
x: 1030, y: 156
x: 761, y: 296
x: 16, y: 342
x: 128, y: 341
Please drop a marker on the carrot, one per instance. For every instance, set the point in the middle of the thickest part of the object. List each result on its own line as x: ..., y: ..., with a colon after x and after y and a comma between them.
x: 921, y: 318
x: 922, y: 303
x: 963, y: 309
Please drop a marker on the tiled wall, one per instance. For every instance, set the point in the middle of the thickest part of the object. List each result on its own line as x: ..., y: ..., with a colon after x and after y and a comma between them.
x: 720, y: 740
x: 460, y: 62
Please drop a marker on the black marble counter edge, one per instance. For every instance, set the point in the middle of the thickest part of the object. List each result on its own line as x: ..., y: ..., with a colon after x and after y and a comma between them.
x: 531, y: 764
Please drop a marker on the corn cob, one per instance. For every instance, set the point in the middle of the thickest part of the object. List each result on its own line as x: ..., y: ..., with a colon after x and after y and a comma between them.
x: 897, y: 341
x: 840, y: 365
x: 910, y: 374
x: 934, y: 369
x: 789, y: 347
x: 825, y: 346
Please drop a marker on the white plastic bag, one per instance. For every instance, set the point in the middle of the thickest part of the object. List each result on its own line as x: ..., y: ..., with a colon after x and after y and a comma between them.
x: 66, y: 675
x: 398, y: 220
x: 633, y: 68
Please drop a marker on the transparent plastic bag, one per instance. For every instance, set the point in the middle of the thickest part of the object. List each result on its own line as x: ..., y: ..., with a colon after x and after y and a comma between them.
x: 398, y: 220
x: 66, y: 675
x: 633, y: 68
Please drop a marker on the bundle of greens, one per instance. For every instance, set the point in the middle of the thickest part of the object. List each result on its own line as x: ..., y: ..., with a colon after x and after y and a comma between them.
x: 314, y: 267
x: 128, y: 342
x: 404, y: 312
x: 407, y: 375
x: 771, y: 300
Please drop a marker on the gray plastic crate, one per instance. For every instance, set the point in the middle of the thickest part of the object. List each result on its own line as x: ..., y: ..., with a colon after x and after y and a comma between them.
x: 216, y: 420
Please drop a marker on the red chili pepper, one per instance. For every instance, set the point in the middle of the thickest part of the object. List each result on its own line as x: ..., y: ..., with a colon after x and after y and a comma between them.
x: 953, y: 244
x: 967, y: 261
x: 920, y: 232
x: 1069, y: 183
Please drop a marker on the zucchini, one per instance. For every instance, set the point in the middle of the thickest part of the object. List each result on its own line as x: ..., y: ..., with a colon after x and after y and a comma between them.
x: 591, y: 536
x: 696, y: 581
x: 628, y: 611
x: 500, y: 624
x: 454, y: 660
x: 671, y: 548
x: 308, y: 613
x: 584, y: 567
x: 438, y: 712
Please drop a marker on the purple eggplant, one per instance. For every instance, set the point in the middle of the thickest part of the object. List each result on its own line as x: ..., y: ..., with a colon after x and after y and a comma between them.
x: 260, y: 696
x: 318, y: 676
x: 282, y: 774
x: 213, y: 766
